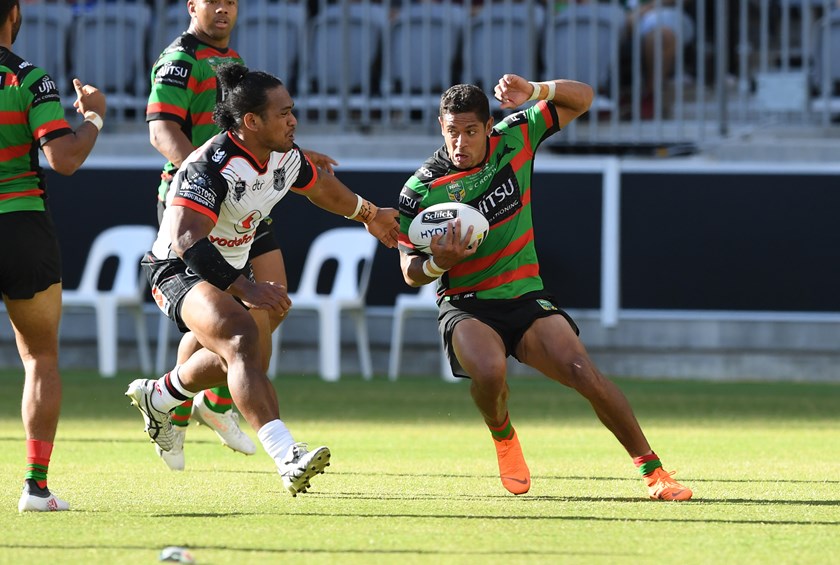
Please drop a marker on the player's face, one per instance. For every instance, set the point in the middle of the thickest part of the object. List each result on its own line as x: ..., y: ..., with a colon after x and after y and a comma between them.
x: 213, y: 20
x: 465, y: 137
x: 277, y: 123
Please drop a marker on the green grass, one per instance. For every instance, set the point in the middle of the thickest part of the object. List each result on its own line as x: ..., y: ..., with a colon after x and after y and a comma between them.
x: 414, y: 479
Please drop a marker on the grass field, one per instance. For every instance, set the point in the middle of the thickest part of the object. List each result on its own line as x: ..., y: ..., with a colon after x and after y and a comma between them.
x: 414, y: 479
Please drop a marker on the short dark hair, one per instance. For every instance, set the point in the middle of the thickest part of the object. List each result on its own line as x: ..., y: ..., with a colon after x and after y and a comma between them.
x: 464, y: 98
x: 6, y: 8
x: 244, y: 91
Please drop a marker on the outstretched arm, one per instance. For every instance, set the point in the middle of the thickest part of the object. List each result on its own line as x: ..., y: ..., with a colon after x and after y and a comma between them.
x: 570, y: 97
x: 332, y: 195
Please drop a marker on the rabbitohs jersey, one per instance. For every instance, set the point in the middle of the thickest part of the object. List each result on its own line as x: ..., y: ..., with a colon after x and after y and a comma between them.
x: 184, y: 90
x: 505, y: 264
x: 32, y: 115
x: 222, y: 180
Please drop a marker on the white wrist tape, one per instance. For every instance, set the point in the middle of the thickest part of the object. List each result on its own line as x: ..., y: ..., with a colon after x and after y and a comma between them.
x: 535, y: 95
x: 95, y: 119
x: 552, y: 86
x: 431, y: 269
x: 358, y: 207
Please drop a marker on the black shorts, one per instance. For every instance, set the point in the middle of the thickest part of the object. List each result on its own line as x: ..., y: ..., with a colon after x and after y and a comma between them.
x: 170, y: 281
x: 509, y: 318
x: 264, y: 239
x: 30, y: 261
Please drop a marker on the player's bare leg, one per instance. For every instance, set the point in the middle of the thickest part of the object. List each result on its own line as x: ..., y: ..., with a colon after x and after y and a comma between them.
x: 482, y: 354
x: 551, y: 346
x: 35, y: 322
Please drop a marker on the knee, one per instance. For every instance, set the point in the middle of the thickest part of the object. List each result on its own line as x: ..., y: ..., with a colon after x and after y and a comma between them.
x: 243, y: 345
x: 488, y: 372
x: 580, y: 373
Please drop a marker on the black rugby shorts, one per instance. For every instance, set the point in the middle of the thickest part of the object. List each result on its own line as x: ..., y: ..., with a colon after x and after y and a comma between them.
x: 508, y: 318
x: 30, y: 261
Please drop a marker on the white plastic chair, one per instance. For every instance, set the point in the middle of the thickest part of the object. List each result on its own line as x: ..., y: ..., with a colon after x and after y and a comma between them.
x: 350, y: 248
x: 405, y: 305
x: 127, y: 244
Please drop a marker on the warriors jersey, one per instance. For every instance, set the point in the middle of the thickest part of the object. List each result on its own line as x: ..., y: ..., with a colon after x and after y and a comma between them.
x: 32, y: 115
x: 505, y: 265
x: 224, y: 181
x: 184, y: 90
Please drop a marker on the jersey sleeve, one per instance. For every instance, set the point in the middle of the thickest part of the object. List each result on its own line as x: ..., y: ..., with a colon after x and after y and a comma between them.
x: 201, y: 189
x: 172, y: 90
x: 411, y: 196
x: 307, y: 174
x: 46, y: 115
x: 541, y: 121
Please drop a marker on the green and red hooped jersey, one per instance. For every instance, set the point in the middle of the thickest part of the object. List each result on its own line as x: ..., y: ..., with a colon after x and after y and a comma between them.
x: 184, y: 90
x: 30, y: 115
x: 505, y: 265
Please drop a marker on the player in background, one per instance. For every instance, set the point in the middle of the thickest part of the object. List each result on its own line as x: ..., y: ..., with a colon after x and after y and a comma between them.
x: 199, y: 269
x: 30, y: 263
x: 180, y: 117
x: 491, y: 298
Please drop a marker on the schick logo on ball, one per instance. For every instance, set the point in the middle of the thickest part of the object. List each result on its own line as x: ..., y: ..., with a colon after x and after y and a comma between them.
x: 439, y: 216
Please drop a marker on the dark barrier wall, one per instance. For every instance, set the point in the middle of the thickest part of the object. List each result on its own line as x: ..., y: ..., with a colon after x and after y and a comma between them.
x: 689, y: 241
x: 730, y: 242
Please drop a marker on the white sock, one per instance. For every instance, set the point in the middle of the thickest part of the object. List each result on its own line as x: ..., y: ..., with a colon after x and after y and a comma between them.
x: 165, y: 399
x: 276, y: 439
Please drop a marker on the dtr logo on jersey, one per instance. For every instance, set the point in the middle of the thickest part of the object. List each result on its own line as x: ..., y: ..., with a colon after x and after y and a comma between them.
x: 248, y: 222
x: 280, y: 179
x: 456, y: 191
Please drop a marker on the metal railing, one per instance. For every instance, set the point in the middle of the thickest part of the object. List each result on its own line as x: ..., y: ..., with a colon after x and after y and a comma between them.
x: 358, y: 65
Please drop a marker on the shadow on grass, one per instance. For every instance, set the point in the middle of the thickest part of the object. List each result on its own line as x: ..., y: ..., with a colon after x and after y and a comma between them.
x: 518, y: 517
x: 250, y: 550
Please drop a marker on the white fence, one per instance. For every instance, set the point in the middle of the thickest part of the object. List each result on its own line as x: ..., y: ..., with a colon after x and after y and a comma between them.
x: 367, y: 66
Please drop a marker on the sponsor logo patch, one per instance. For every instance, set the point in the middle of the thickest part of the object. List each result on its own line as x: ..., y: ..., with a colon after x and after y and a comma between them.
x: 174, y: 73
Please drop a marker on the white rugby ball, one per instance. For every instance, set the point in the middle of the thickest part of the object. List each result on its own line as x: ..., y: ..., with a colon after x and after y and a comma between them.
x: 435, y: 219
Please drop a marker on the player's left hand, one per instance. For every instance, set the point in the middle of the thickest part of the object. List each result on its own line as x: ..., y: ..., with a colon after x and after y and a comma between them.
x: 385, y: 226
x: 321, y: 161
x: 512, y: 91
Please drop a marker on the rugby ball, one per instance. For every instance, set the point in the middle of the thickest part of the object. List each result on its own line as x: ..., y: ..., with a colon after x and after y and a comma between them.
x: 434, y: 221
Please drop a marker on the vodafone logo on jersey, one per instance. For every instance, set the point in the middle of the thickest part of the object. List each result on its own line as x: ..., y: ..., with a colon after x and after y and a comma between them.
x: 248, y: 222
x: 231, y: 242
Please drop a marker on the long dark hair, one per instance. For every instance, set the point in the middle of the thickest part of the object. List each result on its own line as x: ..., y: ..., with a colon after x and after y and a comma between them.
x: 243, y: 91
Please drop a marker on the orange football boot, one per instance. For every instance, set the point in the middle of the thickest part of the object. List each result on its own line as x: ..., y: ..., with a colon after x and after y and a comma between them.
x: 513, y: 470
x: 662, y: 487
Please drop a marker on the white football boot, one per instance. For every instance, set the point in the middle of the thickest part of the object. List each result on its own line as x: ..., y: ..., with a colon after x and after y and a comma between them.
x: 226, y: 426
x: 36, y: 499
x: 174, y: 458
x: 299, y: 465
x: 158, y: 425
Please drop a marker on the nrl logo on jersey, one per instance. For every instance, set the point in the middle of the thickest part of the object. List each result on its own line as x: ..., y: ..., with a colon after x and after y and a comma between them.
x: 456, y: 191
x: 218, y: 156
x: 279, y: 179
x: 239, y: 190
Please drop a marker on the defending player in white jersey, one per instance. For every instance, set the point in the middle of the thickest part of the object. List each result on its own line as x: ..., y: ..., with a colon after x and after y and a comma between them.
x: 199, y: 272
